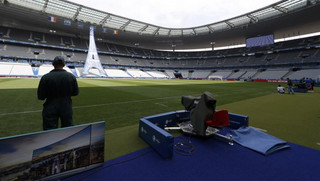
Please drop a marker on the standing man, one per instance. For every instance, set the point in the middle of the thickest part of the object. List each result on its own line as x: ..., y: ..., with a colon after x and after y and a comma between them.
x: 289, y: 85
x: 57, y: 87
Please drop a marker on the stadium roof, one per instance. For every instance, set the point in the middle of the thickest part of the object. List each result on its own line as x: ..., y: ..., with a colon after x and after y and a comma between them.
x: 280, y: 19
x: 77, y: 12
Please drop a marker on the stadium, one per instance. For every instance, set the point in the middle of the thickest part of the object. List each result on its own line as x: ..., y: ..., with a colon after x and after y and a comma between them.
x: 146, y: 70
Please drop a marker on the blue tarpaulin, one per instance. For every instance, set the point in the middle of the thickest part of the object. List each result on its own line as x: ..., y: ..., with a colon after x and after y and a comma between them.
x: 257, y: 140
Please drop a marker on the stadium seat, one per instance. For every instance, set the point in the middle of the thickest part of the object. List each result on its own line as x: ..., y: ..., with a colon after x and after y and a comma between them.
x: 220, y: 119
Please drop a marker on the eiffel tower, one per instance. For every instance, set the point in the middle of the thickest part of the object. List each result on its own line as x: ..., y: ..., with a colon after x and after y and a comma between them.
x: 93, y: 60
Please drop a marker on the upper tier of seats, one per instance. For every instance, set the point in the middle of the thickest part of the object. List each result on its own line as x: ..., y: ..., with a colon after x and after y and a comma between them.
x: 38, y: 48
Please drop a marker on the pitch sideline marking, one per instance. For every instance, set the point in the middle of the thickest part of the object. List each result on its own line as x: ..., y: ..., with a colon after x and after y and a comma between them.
x: 163, y: 105
x: 95, y: 105
x: 23, y: 112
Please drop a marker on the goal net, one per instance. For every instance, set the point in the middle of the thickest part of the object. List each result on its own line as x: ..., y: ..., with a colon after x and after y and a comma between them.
x: 215, y: 77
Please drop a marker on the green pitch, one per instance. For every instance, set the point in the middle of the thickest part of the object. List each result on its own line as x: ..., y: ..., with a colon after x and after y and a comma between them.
x: 122, y: 102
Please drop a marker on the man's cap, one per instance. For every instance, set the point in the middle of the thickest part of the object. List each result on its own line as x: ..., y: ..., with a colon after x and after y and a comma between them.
x: 58, y: 60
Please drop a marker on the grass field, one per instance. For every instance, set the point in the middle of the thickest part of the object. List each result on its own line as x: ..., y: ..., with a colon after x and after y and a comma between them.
x: 122, y: 102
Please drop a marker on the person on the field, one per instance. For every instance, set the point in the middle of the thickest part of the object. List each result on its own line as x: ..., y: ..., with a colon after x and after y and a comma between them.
x: 289, y: 86
x: 312, y: 83
x: 280, y: 89
x: 302, y: 83
x: 56, y: 88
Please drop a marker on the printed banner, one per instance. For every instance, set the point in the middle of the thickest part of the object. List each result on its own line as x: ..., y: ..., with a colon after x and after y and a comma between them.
x: 48, y: 155
x: 80, y: 25
x: 52, y: 19
x: 35, y: 70
x: 67, y: 22
x: 104, y: 30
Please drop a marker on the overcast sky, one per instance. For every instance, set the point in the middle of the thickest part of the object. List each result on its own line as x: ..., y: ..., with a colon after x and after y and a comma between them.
x: 177, y: 13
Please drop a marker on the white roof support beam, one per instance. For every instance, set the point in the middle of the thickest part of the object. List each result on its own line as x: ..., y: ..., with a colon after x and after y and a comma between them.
x: 156, y: 31
x: 229, y: 24
x: 211, y: 30
x: 284, y: 10
x: 45, y: 5
x: 77, y: 13
x: 313, y: 2
x: 254, y: 19
x: 143, y: 28
x: 194, y: 31
x: 104, y: 19
x: 125, y: 25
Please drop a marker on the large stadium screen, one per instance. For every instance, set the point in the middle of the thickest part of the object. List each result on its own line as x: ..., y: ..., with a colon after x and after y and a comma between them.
x: 260, y: 41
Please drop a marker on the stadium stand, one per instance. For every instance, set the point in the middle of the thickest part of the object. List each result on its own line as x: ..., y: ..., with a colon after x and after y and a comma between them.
x: 185, y: 74
x: 21, y: 69
x: 275, y: 74
x: 5, y: 68
x: 117, y: 73
x: 44, y: 69
x: 236, y: 74
x: 135, y: 73
x: 16, y: 69
x: 200, y: 74
x: 273, y: 62
x: 249, y: 74
x: 170, y: 73
x: 307, y: 73
x: 157, y: 74
x: 222, y: 73
x: 281, y: 58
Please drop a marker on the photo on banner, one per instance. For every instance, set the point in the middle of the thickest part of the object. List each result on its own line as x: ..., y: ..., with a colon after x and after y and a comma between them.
x: 52, y: 154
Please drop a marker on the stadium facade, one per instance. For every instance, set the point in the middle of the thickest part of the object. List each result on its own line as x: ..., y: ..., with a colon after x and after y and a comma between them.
x: 32, y: 33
